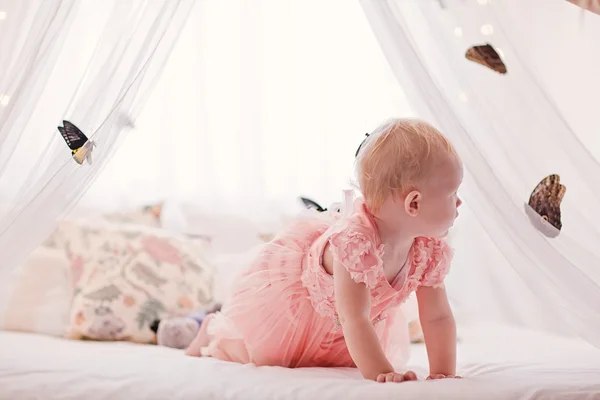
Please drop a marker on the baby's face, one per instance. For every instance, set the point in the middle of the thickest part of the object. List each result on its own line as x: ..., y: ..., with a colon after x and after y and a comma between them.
x: 440, y: 202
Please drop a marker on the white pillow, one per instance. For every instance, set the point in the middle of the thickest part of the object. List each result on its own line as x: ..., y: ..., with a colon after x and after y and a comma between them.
x: 36, y: 297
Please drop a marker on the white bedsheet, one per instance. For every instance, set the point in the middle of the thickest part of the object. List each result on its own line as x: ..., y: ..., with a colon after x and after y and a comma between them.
x: 498, y: 363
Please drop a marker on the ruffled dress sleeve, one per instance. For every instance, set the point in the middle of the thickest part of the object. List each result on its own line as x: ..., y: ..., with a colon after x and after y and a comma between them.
x: 359, y: 254
x: 439, y: 257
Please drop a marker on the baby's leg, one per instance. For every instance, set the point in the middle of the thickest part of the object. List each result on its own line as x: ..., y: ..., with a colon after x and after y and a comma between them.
x: 223, y: 349
x: 228, y: 350
x: 201, y: 340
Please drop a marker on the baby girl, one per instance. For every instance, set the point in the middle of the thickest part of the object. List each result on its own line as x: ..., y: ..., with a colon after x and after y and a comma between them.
x: 326, y: 291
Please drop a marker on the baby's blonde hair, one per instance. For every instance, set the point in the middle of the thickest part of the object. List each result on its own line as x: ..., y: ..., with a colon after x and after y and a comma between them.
x: 396, y: 156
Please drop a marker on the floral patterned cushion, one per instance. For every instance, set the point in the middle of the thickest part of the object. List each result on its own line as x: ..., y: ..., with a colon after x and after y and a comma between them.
x: 149, y: 215
x: 128, y: 276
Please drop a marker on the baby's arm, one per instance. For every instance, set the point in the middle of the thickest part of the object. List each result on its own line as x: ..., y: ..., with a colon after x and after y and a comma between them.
x: 353, y: 303
x: 439, y: 330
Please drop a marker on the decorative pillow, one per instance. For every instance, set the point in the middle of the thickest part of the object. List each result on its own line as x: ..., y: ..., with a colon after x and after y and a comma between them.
x: 130, y: 276
x: 36, y: 296
x: 149, y: 215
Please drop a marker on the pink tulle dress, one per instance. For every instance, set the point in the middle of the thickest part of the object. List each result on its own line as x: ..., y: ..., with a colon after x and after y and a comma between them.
x: 282, y: 310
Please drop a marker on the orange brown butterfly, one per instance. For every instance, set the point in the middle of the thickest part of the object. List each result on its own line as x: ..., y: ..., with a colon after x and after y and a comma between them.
x: 487, y: 56
x: 543, y: 208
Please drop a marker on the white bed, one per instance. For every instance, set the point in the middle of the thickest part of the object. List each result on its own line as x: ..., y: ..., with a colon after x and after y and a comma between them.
x: 497, y: 362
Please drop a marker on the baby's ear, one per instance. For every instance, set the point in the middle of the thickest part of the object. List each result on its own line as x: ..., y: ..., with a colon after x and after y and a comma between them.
x: 412, y: 203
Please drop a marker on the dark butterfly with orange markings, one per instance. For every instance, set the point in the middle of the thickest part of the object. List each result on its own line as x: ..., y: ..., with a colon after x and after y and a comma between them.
x: 543, y: 208
x: 79, y: 144
x: 487, y: 56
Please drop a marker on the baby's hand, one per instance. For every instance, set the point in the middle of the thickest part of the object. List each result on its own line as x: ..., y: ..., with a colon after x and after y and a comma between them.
x: 442, y: 376
x: 397, y: 377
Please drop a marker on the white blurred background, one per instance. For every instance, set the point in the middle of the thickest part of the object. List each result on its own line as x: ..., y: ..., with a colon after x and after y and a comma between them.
x: 265, y: 100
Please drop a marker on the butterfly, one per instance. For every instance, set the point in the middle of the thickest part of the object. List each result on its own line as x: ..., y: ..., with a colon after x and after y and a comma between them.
x: 361, y: 145
x: 81, y: 147
x: 311, y: 204
x: 545, y: 203
x: 487, y: 56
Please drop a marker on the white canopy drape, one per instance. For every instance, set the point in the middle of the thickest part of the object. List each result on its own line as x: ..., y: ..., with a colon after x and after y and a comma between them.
x: 96, y: 63
x: 511, y: 133
x: 92, y: 63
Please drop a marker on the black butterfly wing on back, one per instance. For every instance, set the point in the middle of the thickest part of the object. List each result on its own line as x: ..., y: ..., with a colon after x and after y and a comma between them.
x: 311, y: 204
x: 546, y: 198
x: 72, y: 135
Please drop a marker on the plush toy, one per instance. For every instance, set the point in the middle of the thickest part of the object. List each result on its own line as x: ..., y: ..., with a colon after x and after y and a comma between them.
x: 178, y: 332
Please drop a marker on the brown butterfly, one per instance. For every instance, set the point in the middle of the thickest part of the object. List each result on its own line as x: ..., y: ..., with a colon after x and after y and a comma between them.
x: 545, y: 202
x: 487, y: 56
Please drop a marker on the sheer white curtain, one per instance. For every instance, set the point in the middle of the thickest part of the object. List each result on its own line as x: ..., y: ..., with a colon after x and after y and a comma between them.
x: 93, y: 63
x: 261, y: 101
x: 512, y: 130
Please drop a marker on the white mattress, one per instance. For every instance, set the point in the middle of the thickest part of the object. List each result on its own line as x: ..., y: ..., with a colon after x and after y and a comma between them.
x: 498, y: 363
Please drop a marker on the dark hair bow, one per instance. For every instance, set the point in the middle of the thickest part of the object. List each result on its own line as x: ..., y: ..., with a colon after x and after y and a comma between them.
x: 361, y: 144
